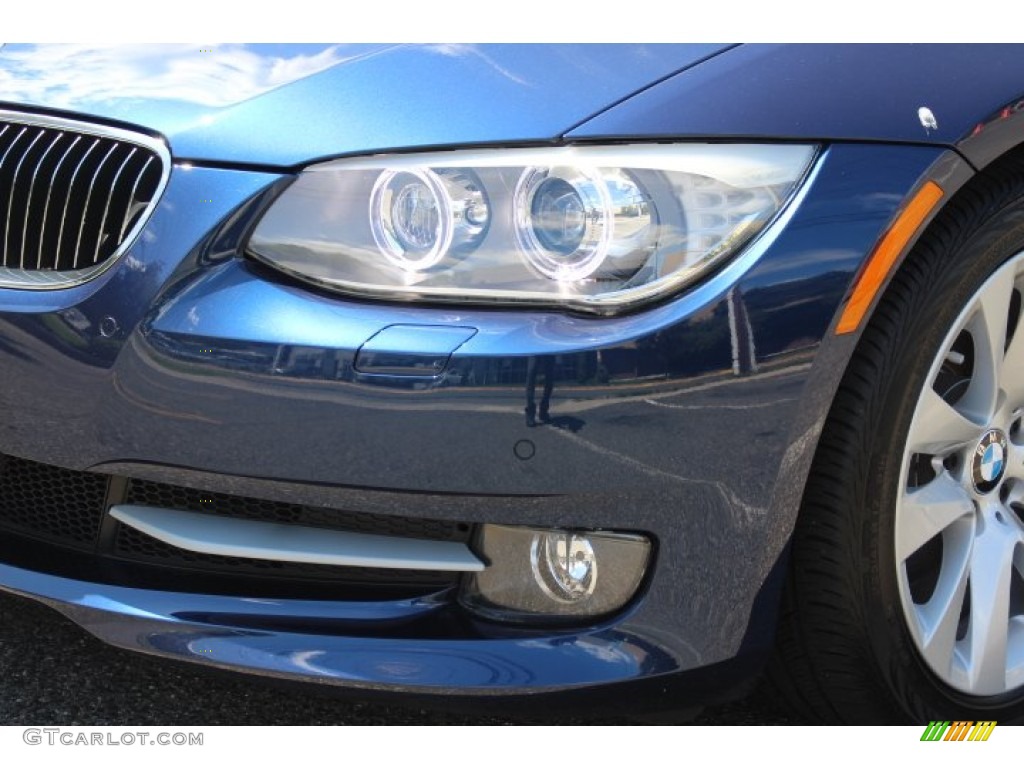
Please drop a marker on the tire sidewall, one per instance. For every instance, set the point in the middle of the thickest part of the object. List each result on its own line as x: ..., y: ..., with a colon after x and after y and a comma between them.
x: 924, y: 321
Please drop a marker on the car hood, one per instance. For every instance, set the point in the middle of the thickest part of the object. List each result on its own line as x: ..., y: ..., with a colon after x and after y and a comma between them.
x: 284, y: 105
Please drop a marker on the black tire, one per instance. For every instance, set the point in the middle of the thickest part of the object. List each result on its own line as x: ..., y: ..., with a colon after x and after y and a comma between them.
x: 844, y: 651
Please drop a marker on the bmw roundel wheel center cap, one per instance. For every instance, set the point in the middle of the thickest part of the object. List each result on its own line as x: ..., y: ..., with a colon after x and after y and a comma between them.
x: 988, y: 463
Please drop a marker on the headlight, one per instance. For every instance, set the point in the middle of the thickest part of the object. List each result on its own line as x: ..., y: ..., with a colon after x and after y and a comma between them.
x: 592, y: 228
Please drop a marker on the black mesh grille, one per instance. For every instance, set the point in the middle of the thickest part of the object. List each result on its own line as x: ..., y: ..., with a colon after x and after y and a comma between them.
x: 68, y: 199
x: 134, y: 545
x: 51, y: 503
x: 150, y: 494
x: 68, y: 508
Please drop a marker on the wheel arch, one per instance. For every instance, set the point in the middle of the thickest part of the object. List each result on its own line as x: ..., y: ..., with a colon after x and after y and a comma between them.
x: 954, y: 174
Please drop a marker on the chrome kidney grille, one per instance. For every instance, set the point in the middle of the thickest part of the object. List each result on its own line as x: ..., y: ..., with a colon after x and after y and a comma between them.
x: 73, y: 197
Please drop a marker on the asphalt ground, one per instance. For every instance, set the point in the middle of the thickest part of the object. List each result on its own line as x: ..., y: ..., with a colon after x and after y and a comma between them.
x: 54, y: 673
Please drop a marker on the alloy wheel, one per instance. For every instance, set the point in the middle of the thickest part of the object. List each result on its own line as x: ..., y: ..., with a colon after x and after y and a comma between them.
x: 959, y: 517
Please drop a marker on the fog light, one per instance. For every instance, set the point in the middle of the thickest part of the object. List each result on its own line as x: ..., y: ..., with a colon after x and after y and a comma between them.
x: 564, y: 565
x: 543, y: 574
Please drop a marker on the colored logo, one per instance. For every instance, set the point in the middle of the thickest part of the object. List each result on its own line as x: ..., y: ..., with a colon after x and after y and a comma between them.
x: 959, y: 730
x: 992, y: 462
x: 989, y: 461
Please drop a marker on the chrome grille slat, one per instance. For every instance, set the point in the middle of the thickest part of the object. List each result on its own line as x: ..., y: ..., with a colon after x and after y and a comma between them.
x: 135, y: 188
x: 28, y: 203
x: 49, y: 193
x: 74, y: 195
x: 11, y: 147
x: 71, y: 192
x: 88, y: 199
x: 3, y: 161
x: 14, y: 188
x: 106, y: 208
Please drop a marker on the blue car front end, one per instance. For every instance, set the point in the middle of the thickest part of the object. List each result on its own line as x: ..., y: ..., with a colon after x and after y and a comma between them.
x: 192, y: 376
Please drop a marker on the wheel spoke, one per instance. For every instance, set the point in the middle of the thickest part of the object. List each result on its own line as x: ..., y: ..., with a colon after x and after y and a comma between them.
x: 940, y: 616
x: 1012, y: 380
x: 927, y: 511
x: 992, y: 562
x: 939, y: 427
x: 1015, y: 653
x: 988, y: 329
x: 960, y: 599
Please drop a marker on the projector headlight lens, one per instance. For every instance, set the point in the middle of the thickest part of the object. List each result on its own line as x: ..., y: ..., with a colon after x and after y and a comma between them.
x: 410, y: 218
x: 563, y: 221
x: 597, y: 229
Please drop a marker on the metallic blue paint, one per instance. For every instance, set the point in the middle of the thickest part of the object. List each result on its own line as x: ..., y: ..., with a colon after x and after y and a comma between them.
x: 342, y: 641
x: 824, y: 92
x: 226, y: 376
x: 203, y: 349
x: 294, y: 103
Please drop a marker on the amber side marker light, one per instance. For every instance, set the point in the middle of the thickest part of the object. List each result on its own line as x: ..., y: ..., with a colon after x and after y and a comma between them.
x: 885, y: 255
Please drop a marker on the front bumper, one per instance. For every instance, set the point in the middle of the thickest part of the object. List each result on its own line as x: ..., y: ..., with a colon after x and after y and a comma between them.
x: 343, y: 643
x: 693, y: 422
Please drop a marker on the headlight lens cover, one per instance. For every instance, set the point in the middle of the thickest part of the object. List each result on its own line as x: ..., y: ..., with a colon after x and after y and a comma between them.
x: 594, y: 228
